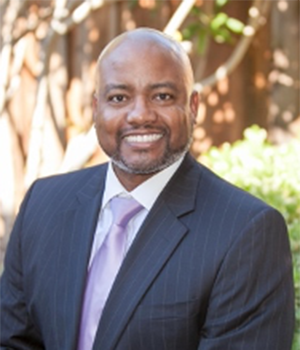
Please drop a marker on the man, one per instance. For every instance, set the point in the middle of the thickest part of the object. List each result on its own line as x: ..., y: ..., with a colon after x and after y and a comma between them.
x: 207, y: 266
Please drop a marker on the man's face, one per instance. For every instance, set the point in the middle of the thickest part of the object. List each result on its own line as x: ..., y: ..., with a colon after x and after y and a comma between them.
x: 143, y: 113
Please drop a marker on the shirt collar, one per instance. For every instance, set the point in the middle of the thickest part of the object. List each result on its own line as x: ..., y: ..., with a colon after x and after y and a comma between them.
x: 146, y: 193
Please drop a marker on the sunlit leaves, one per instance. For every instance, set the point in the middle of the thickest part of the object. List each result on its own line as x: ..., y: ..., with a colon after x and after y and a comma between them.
x: 221, y: 3
x: 218, y: 26
x: 235, y: 25
x: 219, y: 21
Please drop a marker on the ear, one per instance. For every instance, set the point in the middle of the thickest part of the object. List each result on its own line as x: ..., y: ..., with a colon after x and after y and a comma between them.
x: 94, y: 106
x: 194, y: 105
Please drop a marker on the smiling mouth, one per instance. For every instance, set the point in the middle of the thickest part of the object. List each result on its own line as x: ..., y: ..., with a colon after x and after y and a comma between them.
x: 143, y: 138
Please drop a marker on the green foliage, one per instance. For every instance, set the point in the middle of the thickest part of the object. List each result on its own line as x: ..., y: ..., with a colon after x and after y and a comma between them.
x: 220, y: 3
x: 271, y: 173
x: 218, y: 26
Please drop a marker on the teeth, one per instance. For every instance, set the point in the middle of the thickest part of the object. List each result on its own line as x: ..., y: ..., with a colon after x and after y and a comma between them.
x: 143, y: 138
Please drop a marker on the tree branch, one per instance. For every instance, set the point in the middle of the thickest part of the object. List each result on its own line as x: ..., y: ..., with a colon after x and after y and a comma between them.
x: 12, y: 14
x: 257, y: 14
x: 80, y: 13
x: 179, y: 16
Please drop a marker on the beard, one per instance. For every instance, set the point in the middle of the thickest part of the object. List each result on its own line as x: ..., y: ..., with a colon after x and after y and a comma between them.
x: 168, y: 158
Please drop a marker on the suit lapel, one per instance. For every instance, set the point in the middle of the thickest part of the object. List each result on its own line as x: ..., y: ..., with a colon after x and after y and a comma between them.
x: 79, y: 225
x: 160, y: 235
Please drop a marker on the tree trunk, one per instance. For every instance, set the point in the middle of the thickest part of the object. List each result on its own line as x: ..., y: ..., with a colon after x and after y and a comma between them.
x: 284, y: 110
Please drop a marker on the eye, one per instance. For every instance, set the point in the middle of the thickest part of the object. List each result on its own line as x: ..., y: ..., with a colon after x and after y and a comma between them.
x: 163, y: 96
x: 117, y: 98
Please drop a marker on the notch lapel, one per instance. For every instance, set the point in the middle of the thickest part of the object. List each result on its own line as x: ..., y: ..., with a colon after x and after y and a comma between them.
x: 159, y: 236
x: 78, y: 229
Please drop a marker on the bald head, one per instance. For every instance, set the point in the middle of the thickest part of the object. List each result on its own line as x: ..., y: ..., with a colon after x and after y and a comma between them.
x: 143, y: 40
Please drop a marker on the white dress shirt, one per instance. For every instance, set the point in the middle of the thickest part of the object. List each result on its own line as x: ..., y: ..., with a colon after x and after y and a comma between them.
x: 146, y: 194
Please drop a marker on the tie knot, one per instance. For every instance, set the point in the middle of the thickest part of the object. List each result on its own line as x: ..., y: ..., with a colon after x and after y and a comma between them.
x: 123, y: 209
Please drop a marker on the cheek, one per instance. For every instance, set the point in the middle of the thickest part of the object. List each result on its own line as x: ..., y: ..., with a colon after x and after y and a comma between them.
x: 179, y: 125
x: 107, y: 122
x: 106, y: 129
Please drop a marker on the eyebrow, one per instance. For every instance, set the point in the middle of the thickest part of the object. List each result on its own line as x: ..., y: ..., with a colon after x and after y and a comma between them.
x: 110, y: 87
x: 166, y: 84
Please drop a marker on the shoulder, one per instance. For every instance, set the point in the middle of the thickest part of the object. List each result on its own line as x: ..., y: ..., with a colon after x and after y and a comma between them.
x: 70, y: 181
x: 219, y: 195
x: 62, y: 190
x: 72, y: 177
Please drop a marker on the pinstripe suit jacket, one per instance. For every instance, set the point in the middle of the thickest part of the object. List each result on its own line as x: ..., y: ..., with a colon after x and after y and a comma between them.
x: 210, y: 269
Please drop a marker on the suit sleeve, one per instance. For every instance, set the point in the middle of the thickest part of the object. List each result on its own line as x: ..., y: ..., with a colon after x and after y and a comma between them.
x: 252, y: 302
x: 17, y: 329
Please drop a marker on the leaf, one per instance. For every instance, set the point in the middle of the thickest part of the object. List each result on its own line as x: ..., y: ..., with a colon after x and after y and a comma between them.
x: 220, y: 19
x: 235, y: 25
x: 190, y: 31
x: 195, y: 10
x: 223, y: 36
x: 221, y: 3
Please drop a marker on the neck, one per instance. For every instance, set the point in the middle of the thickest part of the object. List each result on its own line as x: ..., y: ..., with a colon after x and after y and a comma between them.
x: 128, y: 180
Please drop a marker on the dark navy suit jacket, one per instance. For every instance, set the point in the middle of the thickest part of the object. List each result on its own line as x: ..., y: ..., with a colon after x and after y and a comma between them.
x: 210, y: 269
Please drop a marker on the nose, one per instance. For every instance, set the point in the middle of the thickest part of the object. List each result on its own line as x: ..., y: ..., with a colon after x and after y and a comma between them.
x: 141, y: 112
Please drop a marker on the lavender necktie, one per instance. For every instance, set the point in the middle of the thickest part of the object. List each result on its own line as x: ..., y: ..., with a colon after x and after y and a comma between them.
x: 104, y: 269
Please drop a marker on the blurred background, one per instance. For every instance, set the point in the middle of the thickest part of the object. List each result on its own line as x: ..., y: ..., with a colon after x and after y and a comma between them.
x: 245, y: 55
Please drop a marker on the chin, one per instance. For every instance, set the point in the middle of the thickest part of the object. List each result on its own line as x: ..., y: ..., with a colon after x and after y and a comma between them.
x: 147, y: 167
x: 138, y: 169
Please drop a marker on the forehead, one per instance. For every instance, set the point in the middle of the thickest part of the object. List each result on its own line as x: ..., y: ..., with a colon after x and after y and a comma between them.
x: 142, y: 59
